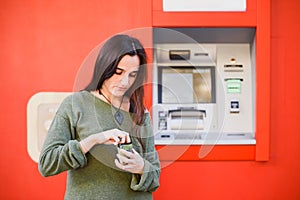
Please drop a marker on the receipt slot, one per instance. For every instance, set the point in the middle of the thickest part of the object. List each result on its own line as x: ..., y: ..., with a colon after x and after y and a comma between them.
x: 203, y: 93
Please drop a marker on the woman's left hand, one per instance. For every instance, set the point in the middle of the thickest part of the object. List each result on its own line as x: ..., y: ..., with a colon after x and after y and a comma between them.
x: 130, y: 161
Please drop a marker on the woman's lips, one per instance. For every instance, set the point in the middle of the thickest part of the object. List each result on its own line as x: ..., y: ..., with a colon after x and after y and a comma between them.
x: 122, y: 88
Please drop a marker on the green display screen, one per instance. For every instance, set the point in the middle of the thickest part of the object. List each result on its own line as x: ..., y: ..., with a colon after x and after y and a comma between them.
x: 234, y: 86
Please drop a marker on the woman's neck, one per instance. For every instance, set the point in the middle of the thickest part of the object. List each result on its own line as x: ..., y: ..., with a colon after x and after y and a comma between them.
x: 110, y: 98
x: 118, y: 102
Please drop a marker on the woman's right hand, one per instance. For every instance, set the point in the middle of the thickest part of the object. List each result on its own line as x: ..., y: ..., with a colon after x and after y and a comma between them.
x: 113, y: 136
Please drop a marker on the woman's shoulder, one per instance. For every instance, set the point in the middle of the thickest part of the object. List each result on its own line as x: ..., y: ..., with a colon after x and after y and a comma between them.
x: 75, y: 99
x: 69, y: 98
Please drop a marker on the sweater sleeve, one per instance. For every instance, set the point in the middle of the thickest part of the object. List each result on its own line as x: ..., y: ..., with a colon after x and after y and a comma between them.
x: 149, y: 180
x: 60, y: 152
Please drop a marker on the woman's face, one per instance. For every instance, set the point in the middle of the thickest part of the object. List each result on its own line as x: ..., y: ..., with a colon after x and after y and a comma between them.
x: 124, y: 77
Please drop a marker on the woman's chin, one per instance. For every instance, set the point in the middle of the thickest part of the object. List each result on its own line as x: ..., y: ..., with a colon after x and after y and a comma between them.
x: 118, y: 94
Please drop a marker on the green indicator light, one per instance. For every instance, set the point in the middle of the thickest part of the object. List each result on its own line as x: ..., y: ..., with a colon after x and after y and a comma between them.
x: 233, y: 86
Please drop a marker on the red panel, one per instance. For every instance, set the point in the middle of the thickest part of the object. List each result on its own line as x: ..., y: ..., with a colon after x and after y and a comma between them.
x: 263, y: 75
x: 208, y: 152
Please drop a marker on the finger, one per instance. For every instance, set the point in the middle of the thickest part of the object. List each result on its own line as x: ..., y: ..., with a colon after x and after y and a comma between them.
x: 135, y: 152
x: 128, y: 140
x: 126, y: 137
x: 135, y: 155
x: 126, y: 153
x: 116, y: 140
x: 122, y: 159
x: 119, y: 165
x: 122, y: 135
x: 123, y: 139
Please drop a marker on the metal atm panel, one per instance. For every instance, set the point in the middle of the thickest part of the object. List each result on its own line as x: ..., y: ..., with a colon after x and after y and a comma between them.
x: 203, y: 94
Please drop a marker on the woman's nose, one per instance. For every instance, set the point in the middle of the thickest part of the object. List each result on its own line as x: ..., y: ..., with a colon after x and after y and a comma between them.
x: 125, y: 80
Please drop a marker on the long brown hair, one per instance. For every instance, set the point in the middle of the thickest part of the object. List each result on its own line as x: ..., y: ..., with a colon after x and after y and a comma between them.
x: 106, y: 64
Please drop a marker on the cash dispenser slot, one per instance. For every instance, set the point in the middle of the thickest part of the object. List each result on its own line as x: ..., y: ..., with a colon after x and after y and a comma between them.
x: 186, y: 119
x: 179, y: 54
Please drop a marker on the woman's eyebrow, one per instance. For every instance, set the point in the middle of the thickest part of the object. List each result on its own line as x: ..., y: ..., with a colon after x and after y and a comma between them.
x: 124, y: 70
x: 120, y: 69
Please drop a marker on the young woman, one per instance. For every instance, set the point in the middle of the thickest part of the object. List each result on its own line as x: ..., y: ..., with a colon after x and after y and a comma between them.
x: 89, y: 125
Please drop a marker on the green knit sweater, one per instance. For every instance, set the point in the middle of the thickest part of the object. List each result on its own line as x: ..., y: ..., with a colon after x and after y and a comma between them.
x: 94, y: 175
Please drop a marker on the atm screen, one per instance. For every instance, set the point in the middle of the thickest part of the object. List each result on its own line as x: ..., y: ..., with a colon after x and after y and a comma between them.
x: 185, y: 85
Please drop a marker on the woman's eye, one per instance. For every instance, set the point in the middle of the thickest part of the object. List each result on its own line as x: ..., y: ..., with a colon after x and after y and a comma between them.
x: 118, y: 72
x: 133, y: 75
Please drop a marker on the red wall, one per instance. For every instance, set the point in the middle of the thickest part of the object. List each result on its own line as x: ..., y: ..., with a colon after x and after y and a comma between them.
x: 44, y: 43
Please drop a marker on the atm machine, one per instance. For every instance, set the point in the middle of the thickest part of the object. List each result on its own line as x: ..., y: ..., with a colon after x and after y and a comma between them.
x: 203, y: 93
